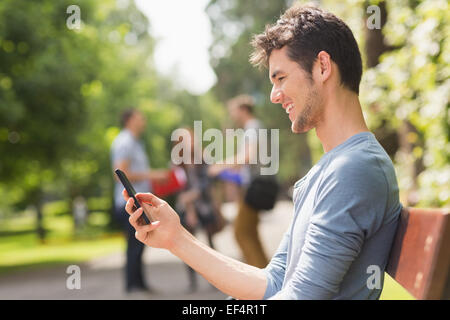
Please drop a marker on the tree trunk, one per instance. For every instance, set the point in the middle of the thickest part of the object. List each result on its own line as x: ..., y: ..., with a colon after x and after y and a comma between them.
x: 41, y: 232
x: 375, y: 44
x: 409, y: 139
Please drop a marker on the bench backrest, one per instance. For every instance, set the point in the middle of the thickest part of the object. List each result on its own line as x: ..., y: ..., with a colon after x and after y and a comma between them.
x: 420, y: 254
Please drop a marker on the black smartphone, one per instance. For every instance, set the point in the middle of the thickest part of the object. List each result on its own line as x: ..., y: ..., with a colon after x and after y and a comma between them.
x: 132, y: 193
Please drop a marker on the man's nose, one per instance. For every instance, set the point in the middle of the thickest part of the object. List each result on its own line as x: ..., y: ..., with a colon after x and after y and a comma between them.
x: 276, y: 95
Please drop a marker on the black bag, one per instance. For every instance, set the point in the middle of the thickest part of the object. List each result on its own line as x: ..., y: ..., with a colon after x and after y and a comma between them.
x: 262, y: 193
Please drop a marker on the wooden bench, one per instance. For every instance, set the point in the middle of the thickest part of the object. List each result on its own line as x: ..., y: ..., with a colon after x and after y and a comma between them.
x: 420, y: 256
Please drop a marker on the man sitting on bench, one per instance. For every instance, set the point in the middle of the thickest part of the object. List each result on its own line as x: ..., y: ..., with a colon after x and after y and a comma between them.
x: 346, y: 208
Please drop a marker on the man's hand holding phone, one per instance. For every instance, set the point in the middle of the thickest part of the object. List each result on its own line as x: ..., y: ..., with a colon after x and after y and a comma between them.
x: 230, y: 276
x: 166, y: 227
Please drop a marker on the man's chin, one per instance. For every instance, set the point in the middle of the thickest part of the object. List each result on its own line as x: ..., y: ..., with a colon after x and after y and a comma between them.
x: 296, y: 129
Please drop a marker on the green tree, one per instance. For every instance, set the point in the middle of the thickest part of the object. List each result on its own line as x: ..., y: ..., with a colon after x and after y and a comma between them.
x: 60, y: 89
x: 409, y: 91
x: 40, y: 106
x: 61, y: 94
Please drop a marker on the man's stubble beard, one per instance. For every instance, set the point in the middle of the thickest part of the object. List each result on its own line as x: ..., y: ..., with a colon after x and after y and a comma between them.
x: 308, y: 117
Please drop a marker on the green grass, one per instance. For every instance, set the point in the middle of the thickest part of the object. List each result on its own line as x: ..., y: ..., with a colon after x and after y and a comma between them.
x: 21, y: 249
x: 20, y: 257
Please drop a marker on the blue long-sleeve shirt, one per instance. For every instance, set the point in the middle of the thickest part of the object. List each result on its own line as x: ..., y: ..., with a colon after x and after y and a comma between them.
x: 346, y: 212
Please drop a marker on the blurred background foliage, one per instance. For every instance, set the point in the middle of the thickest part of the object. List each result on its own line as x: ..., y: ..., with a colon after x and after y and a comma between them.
x: 61, y: 92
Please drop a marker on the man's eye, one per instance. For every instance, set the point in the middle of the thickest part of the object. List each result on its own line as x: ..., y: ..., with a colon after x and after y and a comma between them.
x: 281, y: 78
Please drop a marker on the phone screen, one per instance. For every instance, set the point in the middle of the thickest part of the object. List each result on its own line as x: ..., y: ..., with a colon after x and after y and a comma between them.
x: 132, y: 193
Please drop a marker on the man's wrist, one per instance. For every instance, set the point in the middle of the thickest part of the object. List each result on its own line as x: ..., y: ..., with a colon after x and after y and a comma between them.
x: 181, y: 238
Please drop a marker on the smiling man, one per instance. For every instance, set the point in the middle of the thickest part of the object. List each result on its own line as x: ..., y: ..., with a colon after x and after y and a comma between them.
x: 346, y: 208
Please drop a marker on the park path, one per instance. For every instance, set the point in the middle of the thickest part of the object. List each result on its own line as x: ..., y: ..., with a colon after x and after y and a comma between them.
x: 102, y: 278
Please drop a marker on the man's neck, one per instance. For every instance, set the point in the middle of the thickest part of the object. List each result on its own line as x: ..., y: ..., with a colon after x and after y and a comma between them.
x: 341, y: 118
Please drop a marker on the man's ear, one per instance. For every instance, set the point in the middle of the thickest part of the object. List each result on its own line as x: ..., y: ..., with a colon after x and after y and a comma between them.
x: 323, y: 66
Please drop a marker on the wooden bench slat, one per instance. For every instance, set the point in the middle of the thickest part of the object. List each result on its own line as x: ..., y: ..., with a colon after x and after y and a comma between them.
x: 420, y: 255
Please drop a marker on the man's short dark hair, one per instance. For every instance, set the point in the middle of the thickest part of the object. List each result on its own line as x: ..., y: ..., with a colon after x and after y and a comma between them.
x: 307, y: 30
x: 126, y: 115
x: 243, y: 101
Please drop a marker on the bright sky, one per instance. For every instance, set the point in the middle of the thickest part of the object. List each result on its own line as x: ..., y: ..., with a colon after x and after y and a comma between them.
x: 183, y: 31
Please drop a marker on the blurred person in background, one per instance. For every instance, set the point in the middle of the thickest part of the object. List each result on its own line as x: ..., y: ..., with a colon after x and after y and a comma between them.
x: 128, y: 154
x: 241, y: 111
x: 195, y: 203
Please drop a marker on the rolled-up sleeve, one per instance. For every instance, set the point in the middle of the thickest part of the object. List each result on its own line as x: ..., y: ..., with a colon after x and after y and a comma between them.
x: 276, y: 269
x: 325, y: 259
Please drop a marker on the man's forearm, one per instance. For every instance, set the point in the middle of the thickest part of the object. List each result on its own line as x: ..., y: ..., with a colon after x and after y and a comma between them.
x: 230, y: 276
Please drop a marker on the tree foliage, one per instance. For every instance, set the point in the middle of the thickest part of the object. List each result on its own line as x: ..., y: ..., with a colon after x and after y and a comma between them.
x: 411, y: 85
x: 62, y: 91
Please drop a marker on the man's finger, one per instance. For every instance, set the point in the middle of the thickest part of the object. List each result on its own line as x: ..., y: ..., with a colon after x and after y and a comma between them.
x: 149, y: 198
x: 133, y: 219
x: 142, y: 231
x: 129, y: 207
x: 125, y: 194
x: 148, y: 227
